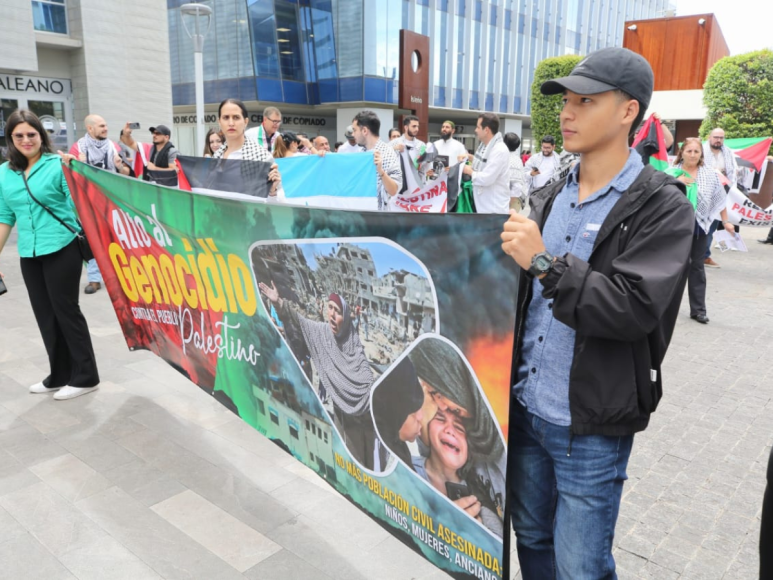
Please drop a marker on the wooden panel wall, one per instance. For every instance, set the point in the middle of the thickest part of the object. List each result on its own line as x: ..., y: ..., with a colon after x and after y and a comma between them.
x: 680, y: 50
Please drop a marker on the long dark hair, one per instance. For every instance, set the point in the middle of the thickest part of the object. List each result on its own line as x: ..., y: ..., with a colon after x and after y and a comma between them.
x: 16, y: 159
x: 207, y: 147
x: 687, y: 141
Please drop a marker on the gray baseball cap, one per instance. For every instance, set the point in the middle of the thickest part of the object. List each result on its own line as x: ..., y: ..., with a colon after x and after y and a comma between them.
x: 605, y: 70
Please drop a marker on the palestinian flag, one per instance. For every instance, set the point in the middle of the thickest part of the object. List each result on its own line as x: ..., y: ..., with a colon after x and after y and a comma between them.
x: 750, y: 152
x: 651, y: 145
x: 224, y: 177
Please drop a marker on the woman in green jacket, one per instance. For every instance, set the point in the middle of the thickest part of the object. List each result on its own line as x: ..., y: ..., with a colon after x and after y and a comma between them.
x: 51, y: 261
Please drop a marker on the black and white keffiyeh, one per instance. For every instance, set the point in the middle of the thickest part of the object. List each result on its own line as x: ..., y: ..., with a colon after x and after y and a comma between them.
x: 711, y: 196
x: 730, y: 164
x: 483, y: 152
x: 99, y: 152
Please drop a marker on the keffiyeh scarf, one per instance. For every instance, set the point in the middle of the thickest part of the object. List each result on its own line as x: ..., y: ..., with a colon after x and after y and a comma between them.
x: 711, y: 196
x: 708, y: 155
x: 483, y: 151
x: 99, y: 152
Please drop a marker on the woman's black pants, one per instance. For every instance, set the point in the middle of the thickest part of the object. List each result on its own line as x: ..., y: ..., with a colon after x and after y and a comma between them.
x: 52, y: 283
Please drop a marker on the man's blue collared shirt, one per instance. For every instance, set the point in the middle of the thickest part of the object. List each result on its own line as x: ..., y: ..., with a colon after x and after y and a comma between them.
x: 542, y: 384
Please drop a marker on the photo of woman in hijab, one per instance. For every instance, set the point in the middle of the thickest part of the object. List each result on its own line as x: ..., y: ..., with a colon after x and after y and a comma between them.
x: 460, y: 442
x: 343, y: 372
x: 398, y: 403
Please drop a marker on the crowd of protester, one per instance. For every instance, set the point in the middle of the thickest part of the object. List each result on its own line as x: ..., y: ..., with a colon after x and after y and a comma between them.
x: 597, y: 314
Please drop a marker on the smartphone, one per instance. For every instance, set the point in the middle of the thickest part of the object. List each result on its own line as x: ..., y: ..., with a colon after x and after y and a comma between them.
x: 134, y: 126
x: 3, y: 287
x: 456, y: 491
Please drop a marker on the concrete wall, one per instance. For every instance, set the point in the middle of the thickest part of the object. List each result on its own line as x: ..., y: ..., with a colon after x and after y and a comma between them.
x: 17, y: 36
x: 122, y: 72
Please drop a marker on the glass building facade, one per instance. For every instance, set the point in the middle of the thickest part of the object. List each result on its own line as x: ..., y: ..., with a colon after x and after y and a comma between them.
x: 314, y: 52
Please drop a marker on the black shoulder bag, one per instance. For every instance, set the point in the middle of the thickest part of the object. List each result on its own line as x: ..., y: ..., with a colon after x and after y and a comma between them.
x: 83, y: 243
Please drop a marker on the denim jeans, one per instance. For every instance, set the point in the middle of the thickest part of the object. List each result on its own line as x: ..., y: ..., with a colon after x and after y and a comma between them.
x: 564, y: 505
x: 92, y: 271
x: 710, y: 238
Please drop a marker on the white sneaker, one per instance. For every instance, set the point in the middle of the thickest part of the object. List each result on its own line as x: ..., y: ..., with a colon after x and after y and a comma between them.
x: 40, y: 389
x: 72, y: 392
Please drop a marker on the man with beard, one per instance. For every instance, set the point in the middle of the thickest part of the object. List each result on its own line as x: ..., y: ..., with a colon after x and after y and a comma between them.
x: 409, y: 142
x: 447, y: 146
x: 97, y: 150
x: 717, y: 156
x: 365, y: 129
x: 160, y: 155
x: 541, y: 167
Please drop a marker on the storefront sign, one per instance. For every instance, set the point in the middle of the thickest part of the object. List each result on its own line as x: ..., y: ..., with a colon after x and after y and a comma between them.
x: 35, y: 86
x: 256, y: 119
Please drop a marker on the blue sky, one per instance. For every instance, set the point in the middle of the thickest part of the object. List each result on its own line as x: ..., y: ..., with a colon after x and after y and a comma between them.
x: 384, y: 256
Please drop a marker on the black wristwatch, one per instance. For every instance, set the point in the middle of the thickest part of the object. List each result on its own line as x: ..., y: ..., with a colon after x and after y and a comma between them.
x: 541, y: 264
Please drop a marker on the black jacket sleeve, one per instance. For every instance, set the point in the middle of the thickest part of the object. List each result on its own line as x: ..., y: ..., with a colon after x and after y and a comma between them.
x: 627, y: 304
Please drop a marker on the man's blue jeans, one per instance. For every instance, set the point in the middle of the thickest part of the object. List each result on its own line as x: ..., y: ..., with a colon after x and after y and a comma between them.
x: 564, y: 504
x: 92, y: 271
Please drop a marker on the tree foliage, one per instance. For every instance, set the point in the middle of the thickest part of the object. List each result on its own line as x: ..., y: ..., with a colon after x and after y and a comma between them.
x: 545, y: 110
x: 739, y: 96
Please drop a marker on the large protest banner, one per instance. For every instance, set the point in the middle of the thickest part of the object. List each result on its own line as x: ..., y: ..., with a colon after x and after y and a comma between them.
x: 375, y: 348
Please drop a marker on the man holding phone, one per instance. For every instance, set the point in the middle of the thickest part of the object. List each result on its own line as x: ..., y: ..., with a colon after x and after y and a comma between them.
x: 541, y: 167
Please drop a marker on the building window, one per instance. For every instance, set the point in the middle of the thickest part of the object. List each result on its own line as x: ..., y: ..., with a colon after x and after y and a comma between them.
x: 288, y: 39
x: 308, y: 428
x: 261, y: 407
x: 274, y: 416
x: 293, y: 432
x: 325, y: 436
x: 50, y: 16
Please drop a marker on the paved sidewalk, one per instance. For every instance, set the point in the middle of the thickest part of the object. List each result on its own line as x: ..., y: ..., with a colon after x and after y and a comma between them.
x: 150, y: 478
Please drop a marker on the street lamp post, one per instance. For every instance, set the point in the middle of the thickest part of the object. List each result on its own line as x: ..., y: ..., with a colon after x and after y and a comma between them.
x: 202, y: 19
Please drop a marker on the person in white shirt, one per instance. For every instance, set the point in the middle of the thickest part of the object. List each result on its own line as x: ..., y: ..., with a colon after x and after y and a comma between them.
x: 718, y: 156
x: 267, y: 132
x: 490, y: 170
x: 351, y: 145
x: 447, y: 146
x: 541, y: 167
x: 518, y: 192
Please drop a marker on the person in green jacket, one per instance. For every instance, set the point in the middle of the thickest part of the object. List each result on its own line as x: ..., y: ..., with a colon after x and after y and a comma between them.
x: 51, y: 261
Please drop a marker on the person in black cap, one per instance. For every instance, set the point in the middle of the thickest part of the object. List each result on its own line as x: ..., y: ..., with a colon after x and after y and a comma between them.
x: 159, y: 156
x: 605, y: 253
x: 397, y: 409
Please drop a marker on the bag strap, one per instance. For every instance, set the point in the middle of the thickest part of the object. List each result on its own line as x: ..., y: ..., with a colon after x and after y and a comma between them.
x: 51, y: 213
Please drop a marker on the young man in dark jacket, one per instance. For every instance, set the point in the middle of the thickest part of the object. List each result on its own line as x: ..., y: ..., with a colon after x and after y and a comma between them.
x: 606, y: 250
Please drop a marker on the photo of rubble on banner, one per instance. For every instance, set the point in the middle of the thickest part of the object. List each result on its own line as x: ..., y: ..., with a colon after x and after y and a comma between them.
x: 347, y: 311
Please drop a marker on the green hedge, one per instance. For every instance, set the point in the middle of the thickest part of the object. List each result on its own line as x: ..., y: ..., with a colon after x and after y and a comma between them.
x: 739, y: 96
x: 545, y: 110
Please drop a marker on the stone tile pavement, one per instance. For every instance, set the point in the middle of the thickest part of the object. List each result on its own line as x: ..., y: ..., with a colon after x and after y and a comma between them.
x: 150, y: 478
